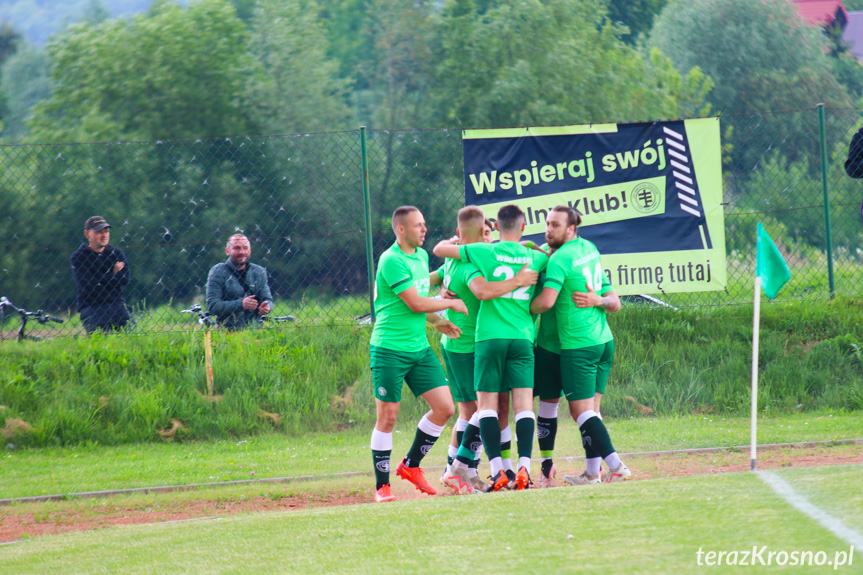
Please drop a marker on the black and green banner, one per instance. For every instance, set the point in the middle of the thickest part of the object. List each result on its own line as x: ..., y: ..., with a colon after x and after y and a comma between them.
x: 650, y: 194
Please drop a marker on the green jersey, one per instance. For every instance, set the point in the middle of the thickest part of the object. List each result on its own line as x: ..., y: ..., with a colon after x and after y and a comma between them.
x: 573, y: 268
x: 506, y: 317
x: 546, y: 334
x: 456, y: 276
x: 396, y: 326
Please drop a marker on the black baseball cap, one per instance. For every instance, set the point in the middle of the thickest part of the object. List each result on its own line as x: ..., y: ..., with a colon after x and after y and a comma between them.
x: 96, y: 223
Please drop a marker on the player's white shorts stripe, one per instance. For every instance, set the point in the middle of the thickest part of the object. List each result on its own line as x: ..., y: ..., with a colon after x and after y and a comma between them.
x: 686, y: 208
x: 680, y: 176
x: 674, y: 144
x: 672, y: 133
x: 801, y: 504
x: 685, y: 188
x: 681, y: 167
x: 687, y: 199
x: 680, y: 157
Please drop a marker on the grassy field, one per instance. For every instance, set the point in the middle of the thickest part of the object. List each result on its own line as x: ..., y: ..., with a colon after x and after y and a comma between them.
x: 48, y: 471
x: 296, y: 379
x: 638, y: 527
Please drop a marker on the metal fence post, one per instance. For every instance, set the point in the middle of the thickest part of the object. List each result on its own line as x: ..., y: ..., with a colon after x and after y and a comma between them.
x: 822, y: 124
x: 367, y: 207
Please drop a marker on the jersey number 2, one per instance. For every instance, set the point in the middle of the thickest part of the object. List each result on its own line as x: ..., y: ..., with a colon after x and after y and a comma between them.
x: 507, y: 274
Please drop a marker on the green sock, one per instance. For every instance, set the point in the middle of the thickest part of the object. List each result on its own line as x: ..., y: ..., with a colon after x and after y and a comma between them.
x: 594, y: 435
x: 524, y: 436
x: 546, y: 433
x: 465, y: 445
x: 382, y: 467
x: 423, y: 442
x: 489, y: 430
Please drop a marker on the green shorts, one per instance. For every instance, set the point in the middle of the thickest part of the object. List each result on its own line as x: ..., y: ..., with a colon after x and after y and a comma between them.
x: 547, y: 383
x: 421, y: 370
x: 584, y: 372
x: 459, y: 372
x: 503, y: 364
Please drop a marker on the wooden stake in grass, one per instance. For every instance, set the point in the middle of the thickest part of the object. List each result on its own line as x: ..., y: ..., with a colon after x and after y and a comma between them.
x: 208, y: 360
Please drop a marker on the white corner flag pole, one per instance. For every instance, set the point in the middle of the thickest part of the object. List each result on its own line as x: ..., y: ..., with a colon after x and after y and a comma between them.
x: 756, y: 322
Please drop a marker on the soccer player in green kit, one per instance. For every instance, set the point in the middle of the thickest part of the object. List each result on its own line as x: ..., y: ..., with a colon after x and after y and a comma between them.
x: 504, y: 343
x: 400, y: 351
x: 581, y: 295
x: 467, y: 283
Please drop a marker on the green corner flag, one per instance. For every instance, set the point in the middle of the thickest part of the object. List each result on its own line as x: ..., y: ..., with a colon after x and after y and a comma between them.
x: 771, y: 267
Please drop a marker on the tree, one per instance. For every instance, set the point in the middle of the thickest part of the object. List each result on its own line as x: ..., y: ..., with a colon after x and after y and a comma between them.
x: 761, y: 55
x: 535, y: 62
x: 25, y: 82
x: 293, y: 84
x: 637, y: 15
x: 172, y: 74
x: 10, y: 39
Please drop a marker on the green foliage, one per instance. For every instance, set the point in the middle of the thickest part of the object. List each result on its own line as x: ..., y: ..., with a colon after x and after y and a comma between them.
x: 173, y: 74
x: 292, y: 86
x: 124, y: 389
x: 556, y: 62
x: 761, y: 55
x: 25, y: 82
x: 637, y: 15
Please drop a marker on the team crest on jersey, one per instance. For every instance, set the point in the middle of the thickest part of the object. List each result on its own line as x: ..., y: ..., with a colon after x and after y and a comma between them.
x: 542, y: 432
x: 426, y: 448
x: 383, y: 466
x: 382, y: 391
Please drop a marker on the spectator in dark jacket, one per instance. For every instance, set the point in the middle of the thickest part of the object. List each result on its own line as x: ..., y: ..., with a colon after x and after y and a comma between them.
x: 854, y: 163
x: 100, y: 272
x: 237, y: 291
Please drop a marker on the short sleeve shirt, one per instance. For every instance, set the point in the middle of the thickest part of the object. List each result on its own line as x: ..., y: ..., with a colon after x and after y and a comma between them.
x: 396, y: 326
x: 572, y: 268
x: 546, y: 334
x: 456, y: 276
x: 508, y: 316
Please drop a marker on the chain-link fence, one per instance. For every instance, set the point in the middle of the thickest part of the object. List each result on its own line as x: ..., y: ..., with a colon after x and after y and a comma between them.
x: 300, y: 200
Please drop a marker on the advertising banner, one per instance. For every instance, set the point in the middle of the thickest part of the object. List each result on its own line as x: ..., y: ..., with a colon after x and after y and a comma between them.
x: 650, y: 194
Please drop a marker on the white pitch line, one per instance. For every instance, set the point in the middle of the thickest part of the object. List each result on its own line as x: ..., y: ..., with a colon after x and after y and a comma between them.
x: 801, y: 504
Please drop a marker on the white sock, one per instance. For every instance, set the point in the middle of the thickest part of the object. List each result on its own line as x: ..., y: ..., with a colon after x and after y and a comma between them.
x: 382, y: 441
x: 497, y: 465
x: 594, y: 465
x: 505, y: 434
x: 585, y: 416
x: 426, y: 426
x: 461, y: 424
x: 548, y: 410
x: 452, y: 451
x: 456, y: 464
x: 613, y: 461
x: 524, y: 462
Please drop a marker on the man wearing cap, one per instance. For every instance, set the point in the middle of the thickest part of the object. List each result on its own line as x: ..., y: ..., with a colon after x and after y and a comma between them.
x: 237, y: 290
x: 100, y: 272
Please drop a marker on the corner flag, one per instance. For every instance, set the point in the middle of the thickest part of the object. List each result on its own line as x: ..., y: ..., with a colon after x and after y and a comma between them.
x: 771, y: 266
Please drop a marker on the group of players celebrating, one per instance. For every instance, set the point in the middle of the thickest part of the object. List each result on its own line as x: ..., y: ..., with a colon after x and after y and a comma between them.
x: 496, y: 358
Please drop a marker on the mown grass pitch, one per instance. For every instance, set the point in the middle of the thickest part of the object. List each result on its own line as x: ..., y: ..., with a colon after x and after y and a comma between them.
x: 648, y: 526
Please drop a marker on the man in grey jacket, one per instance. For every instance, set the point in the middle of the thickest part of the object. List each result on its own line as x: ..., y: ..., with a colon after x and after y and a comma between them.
x: 237, y: 291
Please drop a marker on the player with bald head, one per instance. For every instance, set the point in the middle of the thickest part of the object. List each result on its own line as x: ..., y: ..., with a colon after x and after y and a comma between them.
x: 238, y: 292
x: 400, y: 351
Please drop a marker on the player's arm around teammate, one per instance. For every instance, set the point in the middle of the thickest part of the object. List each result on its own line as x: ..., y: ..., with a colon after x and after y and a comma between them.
x: 400, y: 352
x: 587, y: 345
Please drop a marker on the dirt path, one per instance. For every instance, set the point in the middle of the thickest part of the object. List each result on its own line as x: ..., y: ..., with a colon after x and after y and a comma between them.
x: 22, y: 521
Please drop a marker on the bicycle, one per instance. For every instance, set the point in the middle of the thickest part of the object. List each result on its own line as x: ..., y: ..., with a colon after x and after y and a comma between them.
x: 204, y: 317
x: 40, y: 316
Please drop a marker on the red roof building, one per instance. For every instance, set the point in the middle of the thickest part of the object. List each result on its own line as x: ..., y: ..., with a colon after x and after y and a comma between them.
x: 826, y: 13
